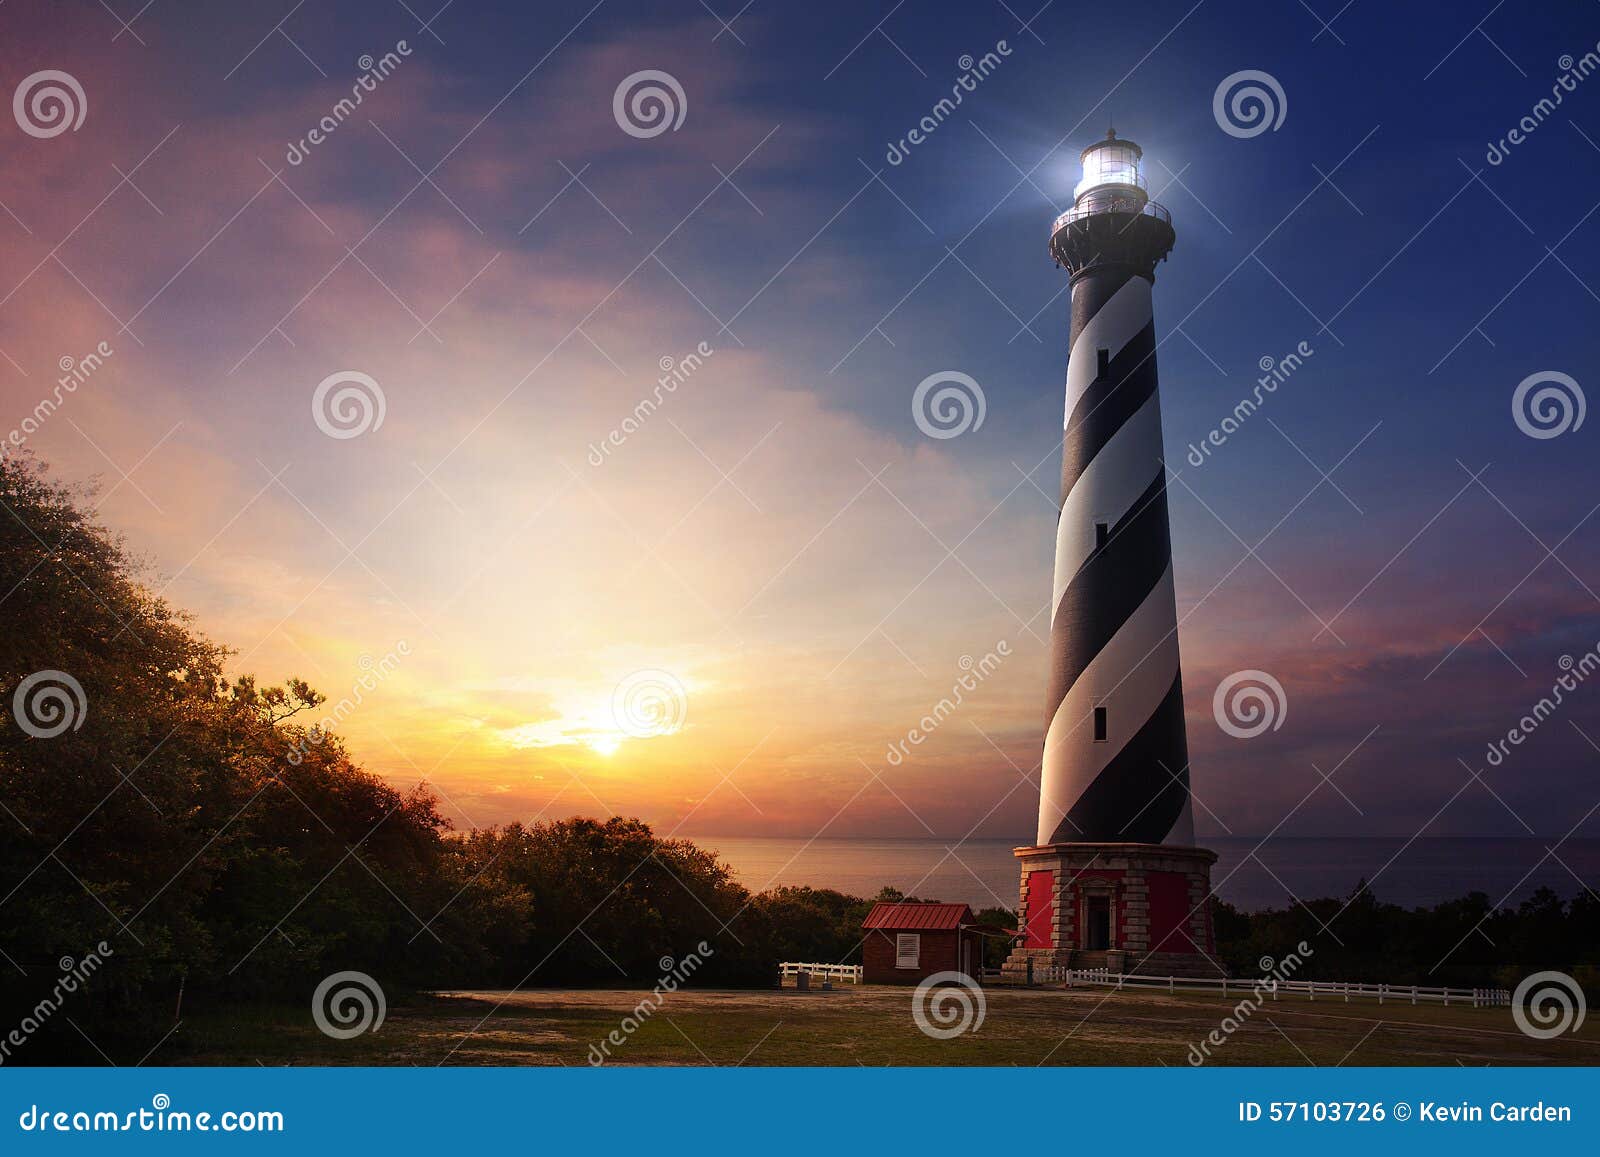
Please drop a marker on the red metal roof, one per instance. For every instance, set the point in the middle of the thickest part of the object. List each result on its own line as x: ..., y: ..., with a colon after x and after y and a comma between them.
x: 917, y: 917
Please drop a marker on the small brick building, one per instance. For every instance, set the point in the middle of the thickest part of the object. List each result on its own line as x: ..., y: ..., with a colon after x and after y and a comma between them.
x: 909, y: 941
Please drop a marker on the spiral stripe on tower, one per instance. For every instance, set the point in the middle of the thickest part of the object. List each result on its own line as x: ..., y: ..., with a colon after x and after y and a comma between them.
x: 1121, y: 777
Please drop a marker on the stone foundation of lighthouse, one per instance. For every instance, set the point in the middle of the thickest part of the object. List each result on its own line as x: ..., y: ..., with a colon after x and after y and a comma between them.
x: 1125, y: 907
x: 1114, y: 880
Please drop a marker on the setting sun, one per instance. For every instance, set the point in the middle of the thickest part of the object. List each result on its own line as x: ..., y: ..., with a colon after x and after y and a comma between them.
x: 645, y: 704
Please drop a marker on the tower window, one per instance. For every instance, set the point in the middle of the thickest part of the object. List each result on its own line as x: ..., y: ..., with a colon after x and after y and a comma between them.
x: 1102, y: 363
x: 1102, y: 534
x: 1099, y: 724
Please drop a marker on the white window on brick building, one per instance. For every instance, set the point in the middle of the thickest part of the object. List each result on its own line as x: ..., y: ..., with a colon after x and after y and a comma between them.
x: 907, y: 950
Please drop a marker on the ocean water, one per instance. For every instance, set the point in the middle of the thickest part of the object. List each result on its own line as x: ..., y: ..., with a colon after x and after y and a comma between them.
x: 984, y: 873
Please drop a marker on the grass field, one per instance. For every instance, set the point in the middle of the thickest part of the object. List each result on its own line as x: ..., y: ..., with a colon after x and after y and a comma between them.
x: 872, y: 1025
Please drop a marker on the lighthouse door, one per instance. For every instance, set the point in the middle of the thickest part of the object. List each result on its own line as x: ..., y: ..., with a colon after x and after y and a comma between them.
x: 1098, y: 922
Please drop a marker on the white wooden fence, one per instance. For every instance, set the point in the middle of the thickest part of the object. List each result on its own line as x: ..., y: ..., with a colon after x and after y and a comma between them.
x: 850, y: 972
x: 1310, y: 989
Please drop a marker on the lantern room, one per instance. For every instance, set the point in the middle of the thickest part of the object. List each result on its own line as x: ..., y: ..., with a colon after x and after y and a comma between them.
x: 1110, y: 174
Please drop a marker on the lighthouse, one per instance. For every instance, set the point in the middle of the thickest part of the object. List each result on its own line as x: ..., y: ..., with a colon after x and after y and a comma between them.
x: 1114, y: 879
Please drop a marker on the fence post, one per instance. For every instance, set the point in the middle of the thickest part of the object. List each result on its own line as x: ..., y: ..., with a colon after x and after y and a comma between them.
x: 1413, y: 994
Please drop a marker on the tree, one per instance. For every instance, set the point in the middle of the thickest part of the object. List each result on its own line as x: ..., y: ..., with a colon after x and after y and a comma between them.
x: 151, y: 802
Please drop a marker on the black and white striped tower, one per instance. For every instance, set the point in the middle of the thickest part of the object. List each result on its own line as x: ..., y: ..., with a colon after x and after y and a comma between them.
x: 1114, y: 876
x: 1116, y: 764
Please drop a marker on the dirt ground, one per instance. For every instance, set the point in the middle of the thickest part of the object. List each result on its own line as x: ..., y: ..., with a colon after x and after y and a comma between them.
x: 874, y: 1025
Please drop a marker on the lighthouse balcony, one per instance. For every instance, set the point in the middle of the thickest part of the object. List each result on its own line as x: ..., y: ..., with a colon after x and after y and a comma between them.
x: 1118, y: 230
x: 1130, y: 204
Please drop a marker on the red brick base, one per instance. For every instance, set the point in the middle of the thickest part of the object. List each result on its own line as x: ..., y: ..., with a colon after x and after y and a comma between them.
x: 1159, y: 901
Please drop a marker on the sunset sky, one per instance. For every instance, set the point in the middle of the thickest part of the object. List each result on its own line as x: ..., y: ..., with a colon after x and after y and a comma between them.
x: 484, y: 241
